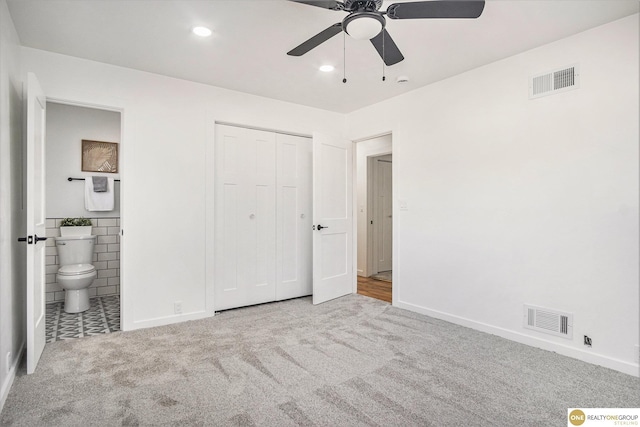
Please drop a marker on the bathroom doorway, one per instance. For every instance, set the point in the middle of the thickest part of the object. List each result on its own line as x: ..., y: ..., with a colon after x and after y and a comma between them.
x: 65, y: 197
x: 374, y: 170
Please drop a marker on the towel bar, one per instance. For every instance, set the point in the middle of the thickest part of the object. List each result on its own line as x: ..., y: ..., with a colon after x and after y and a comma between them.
x: 82, y: 179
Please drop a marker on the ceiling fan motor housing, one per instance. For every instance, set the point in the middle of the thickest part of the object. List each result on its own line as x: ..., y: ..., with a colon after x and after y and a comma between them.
x: 362, y: 5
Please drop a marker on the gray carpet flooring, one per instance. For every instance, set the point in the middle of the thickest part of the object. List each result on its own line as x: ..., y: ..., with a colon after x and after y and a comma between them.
x: 353, y: 361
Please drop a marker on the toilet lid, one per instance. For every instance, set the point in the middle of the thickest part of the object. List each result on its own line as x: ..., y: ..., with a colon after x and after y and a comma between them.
x: 76, y: 269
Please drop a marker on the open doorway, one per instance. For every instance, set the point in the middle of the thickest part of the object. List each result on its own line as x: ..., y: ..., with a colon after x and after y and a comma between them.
x: 68, y: 171
x: 374, y: 166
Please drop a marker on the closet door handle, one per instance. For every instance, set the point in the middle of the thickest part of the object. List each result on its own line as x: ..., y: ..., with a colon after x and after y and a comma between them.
x: 321, y: 227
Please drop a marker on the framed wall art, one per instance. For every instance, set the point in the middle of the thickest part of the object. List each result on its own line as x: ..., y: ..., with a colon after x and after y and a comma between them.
x: 99, y: 156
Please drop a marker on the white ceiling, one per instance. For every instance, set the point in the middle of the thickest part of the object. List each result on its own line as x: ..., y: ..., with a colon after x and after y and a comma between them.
x: 247, y: 51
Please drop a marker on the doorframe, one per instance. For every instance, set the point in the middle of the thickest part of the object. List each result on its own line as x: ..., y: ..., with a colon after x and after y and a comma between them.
x: 126, y: 304
x: 394, y: 191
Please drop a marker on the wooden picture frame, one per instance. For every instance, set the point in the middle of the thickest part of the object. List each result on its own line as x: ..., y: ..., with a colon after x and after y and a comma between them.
x: 99, y: 156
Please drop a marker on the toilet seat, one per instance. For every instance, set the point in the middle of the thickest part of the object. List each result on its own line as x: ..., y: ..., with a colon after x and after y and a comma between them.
x: 76, y: 269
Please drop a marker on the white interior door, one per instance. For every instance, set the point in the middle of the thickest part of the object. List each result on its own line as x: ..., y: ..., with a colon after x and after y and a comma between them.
x: 294, y: 234
x: 36, y: 229
x: 332, y: 218
x: 245, y: 217
x: 383, y: 209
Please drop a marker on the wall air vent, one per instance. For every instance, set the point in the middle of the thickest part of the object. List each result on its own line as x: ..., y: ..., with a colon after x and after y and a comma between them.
x: 555, y: 81
x: 548, y: 321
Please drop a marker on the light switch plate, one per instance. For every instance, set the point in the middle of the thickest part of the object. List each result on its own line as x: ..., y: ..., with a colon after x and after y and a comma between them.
x: 403, y: 205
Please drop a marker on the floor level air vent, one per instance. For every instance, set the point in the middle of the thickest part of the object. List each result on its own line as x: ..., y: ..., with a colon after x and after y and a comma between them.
x: 548, y: 321
x: 556, y: 81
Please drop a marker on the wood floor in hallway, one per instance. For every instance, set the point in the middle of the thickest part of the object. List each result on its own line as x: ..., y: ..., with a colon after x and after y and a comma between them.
x: 377, y: 289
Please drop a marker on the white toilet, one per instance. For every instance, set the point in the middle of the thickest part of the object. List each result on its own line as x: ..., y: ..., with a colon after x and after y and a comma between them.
x: 76, y: 273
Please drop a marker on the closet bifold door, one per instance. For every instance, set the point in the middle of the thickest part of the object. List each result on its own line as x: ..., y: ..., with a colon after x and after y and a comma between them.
x: 295, y: 215
x: 245, y: 217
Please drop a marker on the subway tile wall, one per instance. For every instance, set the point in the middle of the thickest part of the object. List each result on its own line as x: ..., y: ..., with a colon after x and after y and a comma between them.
x: 106, y: 258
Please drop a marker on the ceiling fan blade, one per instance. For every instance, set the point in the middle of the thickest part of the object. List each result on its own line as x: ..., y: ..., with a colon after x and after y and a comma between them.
x: 325, y: 4
x: 436, y: 9
x: 316, y: 40
x: 387, y: 48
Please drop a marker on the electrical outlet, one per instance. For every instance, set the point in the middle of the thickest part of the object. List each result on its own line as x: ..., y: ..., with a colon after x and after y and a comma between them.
x: 587, y: 341
x: 177, y: 307
x: 7, y: 366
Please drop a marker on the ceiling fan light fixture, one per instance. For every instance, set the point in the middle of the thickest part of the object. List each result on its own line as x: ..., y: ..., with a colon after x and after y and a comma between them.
x: 202, y: 31
x: 363, y: 25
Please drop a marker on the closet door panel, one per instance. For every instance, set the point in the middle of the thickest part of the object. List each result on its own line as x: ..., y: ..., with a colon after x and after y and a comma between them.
x: 244, y: 217
x: 288, y: 254
x: 260, y: 243
x: 294, y: 217
x: 229, y: 188
x: 305, y: 209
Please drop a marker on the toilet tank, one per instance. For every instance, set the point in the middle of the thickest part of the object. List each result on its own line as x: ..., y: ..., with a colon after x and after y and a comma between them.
x: 75, y: 249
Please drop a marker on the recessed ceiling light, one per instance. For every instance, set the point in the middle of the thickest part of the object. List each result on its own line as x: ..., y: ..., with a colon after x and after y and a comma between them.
x: 202, y: 31
x: 327, y: 68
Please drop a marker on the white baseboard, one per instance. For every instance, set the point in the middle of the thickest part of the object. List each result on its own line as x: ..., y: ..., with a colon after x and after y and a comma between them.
x: 585, y: 356
x: 167, y: 320
x: 6, y: 386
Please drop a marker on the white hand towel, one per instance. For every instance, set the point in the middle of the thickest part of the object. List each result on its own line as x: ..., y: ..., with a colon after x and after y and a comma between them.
x: 103, y: 201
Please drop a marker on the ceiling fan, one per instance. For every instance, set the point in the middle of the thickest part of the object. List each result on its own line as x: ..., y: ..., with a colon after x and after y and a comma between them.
x: 366, y: 21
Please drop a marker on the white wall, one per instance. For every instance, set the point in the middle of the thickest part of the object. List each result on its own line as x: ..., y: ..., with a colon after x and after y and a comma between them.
x: 370, y: 147
x: 12, y: 266
x: 166, y: 146
x: 512, y: 201
x: 67, y: 126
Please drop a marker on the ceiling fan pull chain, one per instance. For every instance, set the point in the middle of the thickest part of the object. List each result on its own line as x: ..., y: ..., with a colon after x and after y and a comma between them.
x: 344, y: 57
